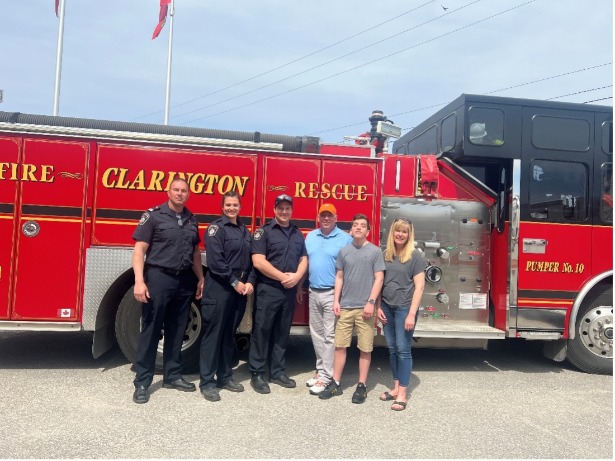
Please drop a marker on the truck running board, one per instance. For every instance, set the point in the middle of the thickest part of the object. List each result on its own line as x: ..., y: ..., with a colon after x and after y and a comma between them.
x: 431, y: 328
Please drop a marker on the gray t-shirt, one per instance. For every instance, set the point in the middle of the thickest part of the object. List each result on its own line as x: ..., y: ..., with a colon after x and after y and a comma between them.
x: 399, y: 280
x: 359, y: 266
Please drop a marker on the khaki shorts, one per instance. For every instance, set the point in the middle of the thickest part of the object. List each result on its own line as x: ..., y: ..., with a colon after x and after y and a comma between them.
x: 353, y: 318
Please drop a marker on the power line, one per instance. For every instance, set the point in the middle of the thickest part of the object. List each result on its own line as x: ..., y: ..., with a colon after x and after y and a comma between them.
x: 293, y: 61
x: 595, y: 100
x: 362, y: 65
x: 330, y: 61
x: 491, y: 92
x: 579, y: 92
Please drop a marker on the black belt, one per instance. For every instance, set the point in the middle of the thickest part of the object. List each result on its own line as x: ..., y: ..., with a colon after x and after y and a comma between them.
x: 166, y: 270
x: 320, y: 290
x: 239, y: 274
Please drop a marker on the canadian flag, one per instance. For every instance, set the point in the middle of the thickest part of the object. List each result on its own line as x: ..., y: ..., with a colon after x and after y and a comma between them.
x: 65, y: 313
x: 162, y: 17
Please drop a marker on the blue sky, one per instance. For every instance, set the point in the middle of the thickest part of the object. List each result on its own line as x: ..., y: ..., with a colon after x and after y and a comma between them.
x: 310, y: 67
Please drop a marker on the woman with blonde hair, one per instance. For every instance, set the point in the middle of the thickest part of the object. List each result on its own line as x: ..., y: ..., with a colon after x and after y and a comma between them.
x: 398, y: 304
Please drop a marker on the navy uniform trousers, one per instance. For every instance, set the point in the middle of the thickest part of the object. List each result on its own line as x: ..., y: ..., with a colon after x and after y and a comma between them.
x: 220, y: 307
x: 273, y: 317
x: 169, y: 305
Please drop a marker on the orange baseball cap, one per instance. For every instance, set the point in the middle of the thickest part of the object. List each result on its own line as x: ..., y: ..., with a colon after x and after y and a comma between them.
x: 327, y: 207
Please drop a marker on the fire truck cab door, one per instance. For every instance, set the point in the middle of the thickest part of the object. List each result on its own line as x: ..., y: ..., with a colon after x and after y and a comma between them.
x: 49, y: 231
x: 552, y: 238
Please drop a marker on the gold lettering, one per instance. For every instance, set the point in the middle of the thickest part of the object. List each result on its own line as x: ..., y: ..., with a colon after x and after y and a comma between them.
x: 47, y: 173
x: 4, y: 166
x: 196, y: 186
x: 28, y: 173
x: 14, y: 167
x: 225, y: 184
x: 211, y: 180
x: 170, y: 179
x: 106, y: 182
x: 335, y: 193
x: 155, y: 182
x: 361, y: 193
x: 325, y: 191
x: 299, y: 189
x: 348, y: 191
x: 528, y: 266
x: 121, y: 180
x: 313, y: 190
x: 240, y: 184
x: 139, y: 182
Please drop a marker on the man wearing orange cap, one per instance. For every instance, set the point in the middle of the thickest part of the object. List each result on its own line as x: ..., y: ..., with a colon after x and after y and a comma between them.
x: 323, y: 245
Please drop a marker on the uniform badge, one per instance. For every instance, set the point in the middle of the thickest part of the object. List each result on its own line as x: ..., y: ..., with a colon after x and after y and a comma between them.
x: 144, y: 218
x: 258, y: 234
x: 212, y: 230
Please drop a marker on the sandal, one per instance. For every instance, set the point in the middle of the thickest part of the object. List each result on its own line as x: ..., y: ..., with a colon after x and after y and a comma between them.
x: 387, y: 396
x: 401, y: 406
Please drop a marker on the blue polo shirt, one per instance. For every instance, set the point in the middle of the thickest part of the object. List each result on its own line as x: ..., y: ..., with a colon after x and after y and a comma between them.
x: 322, y: 253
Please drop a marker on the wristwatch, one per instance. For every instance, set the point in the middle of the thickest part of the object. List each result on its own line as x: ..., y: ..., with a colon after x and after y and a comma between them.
x: 235, y: 283
x: 371, y: 301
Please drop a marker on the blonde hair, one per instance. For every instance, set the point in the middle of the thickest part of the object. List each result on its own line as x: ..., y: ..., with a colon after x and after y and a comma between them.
x: 406, y: 251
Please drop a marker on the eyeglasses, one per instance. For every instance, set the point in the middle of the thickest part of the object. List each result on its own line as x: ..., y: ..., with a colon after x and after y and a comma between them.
x: 179, y: 220
x: 407, y: 221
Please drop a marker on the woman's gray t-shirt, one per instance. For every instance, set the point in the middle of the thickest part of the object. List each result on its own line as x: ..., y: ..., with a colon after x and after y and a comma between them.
x: 359, y: 266
x: 399, y: 279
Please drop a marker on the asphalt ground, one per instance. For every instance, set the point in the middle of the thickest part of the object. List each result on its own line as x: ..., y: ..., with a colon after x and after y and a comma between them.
x: 506, y: 402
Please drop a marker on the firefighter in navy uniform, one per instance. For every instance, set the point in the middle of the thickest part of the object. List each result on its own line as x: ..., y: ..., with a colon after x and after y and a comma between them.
x: 280, y: 259
x: 230, y: 279
x: 168, y: 275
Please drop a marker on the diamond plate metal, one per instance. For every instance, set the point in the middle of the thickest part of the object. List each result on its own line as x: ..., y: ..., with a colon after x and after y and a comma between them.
x: 102, y: 267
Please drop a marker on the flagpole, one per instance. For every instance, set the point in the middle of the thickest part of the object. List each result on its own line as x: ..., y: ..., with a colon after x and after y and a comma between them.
x: 56, y: 94
x: 168, y: 92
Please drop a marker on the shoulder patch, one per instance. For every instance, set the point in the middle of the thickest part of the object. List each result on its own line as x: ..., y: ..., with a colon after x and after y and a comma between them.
x: 212, y: 229
x: 258, y: 234
x: 144, y: 218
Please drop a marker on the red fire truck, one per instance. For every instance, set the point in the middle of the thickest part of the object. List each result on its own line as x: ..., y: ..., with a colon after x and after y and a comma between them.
x: 509, y: 200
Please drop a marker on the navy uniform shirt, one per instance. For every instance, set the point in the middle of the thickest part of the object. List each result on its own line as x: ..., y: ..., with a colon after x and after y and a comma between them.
x: 283, y: 250
x: 171, y: 237
x: 227, y: 248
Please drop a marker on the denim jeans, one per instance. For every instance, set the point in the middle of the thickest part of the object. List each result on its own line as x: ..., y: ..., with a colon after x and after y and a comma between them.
x: 399, y: 342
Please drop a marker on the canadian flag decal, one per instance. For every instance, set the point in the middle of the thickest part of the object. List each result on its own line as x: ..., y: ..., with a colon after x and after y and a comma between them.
x: 65, y: 312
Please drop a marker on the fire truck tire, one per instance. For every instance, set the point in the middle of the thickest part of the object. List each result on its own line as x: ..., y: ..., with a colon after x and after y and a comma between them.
x: 128, y: 326
x: 591, y: 350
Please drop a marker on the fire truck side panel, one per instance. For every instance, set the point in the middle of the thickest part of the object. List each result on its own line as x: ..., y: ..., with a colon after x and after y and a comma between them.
x: 352, y: 189
x: 52, y: 216
x: 350, y: 185
x: 499, y: 276
x: 453, y: 237
x: 9, y: 156
x: 131, y: 179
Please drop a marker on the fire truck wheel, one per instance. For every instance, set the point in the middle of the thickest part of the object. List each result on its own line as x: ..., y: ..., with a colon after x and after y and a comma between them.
x: 591, y: 350
x: 128, y: 326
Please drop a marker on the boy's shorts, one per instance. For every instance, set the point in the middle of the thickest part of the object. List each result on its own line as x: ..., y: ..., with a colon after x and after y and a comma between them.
x: 348, y: 319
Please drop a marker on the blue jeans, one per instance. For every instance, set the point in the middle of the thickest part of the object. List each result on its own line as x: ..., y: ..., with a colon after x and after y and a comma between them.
x: 399, y: 342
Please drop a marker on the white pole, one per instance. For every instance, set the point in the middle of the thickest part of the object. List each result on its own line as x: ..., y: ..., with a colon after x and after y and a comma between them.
x: 168, y: 92
x: 56, y: 94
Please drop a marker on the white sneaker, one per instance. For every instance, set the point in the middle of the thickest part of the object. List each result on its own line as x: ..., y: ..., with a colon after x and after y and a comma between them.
x: 317, y: 388
x: 313, y: 380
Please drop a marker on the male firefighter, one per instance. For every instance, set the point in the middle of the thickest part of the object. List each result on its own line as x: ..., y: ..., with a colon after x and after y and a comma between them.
x: 168, y: 271
x: 280, y: 259
x: 323, y: 245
